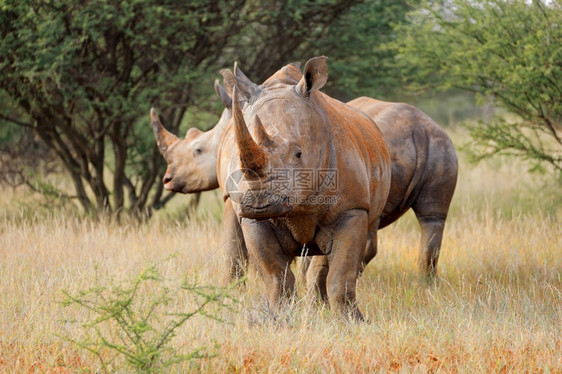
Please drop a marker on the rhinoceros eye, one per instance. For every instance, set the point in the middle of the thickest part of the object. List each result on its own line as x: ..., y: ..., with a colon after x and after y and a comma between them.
x: 198, y: 151
x: 298, y: 154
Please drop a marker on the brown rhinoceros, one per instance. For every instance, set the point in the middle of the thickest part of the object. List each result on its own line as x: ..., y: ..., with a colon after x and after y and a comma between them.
x: 424, y: 172
x: 315, y: 172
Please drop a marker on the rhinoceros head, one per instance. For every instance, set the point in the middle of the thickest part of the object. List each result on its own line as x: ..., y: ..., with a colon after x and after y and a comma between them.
x: 192, y: 161
x: 279, y: 162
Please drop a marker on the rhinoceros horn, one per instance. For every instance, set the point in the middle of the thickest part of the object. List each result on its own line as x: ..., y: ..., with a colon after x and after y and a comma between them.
x: 263, y: 137
x: 164, y: 138
x: 252, y: 157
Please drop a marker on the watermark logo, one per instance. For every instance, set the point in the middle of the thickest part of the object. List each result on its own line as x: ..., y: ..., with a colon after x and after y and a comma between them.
x: 287, y: 186
x: 310, y: 180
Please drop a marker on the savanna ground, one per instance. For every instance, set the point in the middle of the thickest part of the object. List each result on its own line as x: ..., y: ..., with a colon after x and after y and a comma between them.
x: 497, y: 305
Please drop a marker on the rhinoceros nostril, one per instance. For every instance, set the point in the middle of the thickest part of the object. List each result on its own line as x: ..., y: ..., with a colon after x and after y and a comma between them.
x: 167, y: 178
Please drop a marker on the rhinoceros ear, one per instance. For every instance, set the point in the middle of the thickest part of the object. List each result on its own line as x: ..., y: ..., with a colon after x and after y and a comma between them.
x: 314, y: 76
x: 226, y: 100
x: 296, y: 64
x: 239, y: 74
x: 247, y: 88
x: 192, y: 132
x: 229, y: 81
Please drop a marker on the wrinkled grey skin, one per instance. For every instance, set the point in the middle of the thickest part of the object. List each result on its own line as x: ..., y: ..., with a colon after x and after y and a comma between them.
x: 424, y: 176
x: 424, y: 171
x: 294, y: 128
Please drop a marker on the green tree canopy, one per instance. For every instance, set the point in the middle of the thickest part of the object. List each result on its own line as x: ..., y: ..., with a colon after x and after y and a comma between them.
x: 356, y: 47
x: 83, y: 75
x: 506, y: 51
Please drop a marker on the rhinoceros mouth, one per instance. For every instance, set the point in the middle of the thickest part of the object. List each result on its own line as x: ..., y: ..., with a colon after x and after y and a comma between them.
x: 183, y: 188
x: 263, y: 211
x: 259, y: 208
x: 169, y: 186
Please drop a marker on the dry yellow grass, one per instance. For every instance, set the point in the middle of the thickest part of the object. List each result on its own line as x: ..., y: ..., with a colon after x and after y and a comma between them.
x: 497, y: 306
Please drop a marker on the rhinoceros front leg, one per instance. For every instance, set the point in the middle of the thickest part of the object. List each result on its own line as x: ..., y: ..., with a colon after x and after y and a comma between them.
x: 345, y: 255
x: 430, y: 246
x: 318, y: 267
x: 272, y: 262
x: 235, y: 252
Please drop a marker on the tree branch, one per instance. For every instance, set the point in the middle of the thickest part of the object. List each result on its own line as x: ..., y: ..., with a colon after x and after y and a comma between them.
x: 17, y: 121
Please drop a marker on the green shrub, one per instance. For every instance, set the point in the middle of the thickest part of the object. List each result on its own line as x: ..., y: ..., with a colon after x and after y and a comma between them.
x: 132, y: 320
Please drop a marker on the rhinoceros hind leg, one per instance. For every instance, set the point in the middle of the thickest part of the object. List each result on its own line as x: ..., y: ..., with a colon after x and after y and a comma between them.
x: 371, y: 247
x: 316, y: 277
x: 430, y: 245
